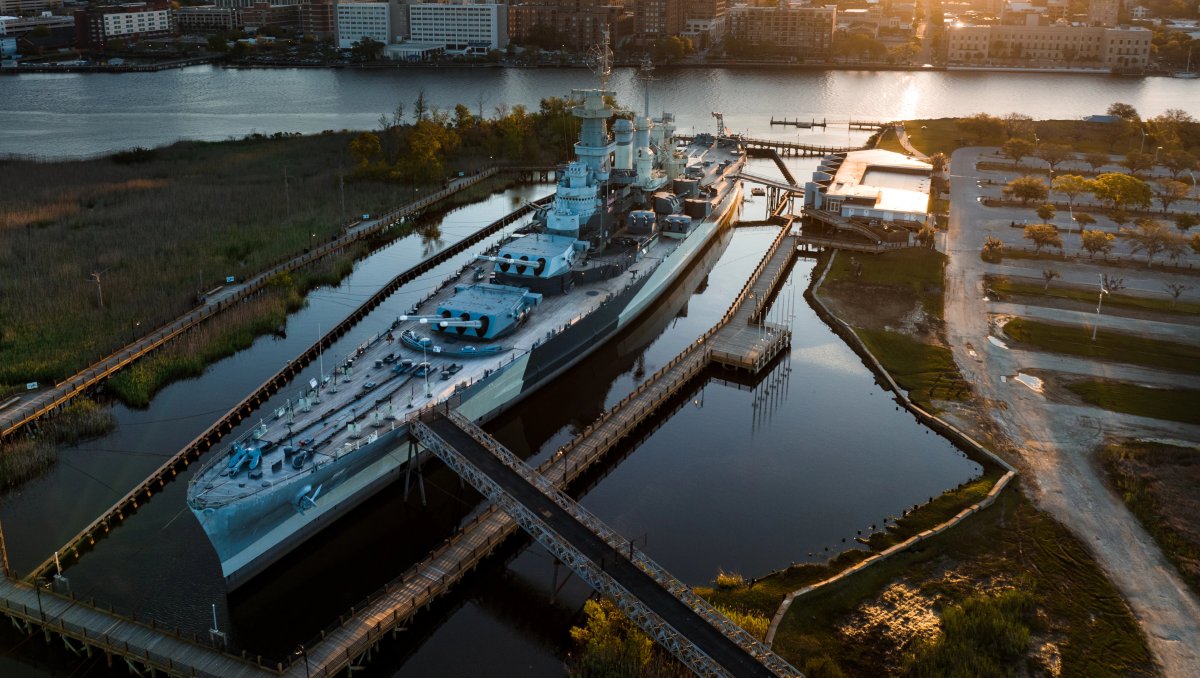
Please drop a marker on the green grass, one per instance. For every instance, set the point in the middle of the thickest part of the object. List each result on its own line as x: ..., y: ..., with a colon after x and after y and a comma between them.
x: 1175, y: 404
x: 1088, y: 295
x: 1151, y: 477
x: 917, y: 269
x: 1109, y: 345
x: 934, y: 136
x: 985, y: 635
x: 927, y: 372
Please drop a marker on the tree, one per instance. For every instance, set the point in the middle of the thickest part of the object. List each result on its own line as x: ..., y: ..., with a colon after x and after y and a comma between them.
x: 1097, y: 242
x: 1137, y: 162
x: 1084, y: 219
x: 1017, y: 148
x: 1176, y: 289
x: 1096, y: 160
x: 365, y: 148
x: 1124, y: 111
x: 982, y: 127
x: 1027, y: 189
x: 1121, y: 190
x: 463, y: 117
x: 1168, y: 191
x: 1049, y: 275
x: 1177, y: 162
x: 1150, y: 237
x: 420, y: 107
x: 939, y: 161
x: 1186, y: 220
x: 925, y: 236
x: 1120, y: 217
x: 1195, y: 243
x: 992, y: 246
x: 1043, y: 235
x: 1072, y: 186
x: 367, y: 49
x: 216, y: 43
x: 1018, y: 124
x: 1055, y: 154
x: 1046, y: 212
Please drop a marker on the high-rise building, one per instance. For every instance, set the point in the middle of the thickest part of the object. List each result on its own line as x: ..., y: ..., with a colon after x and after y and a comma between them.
x: 358, y: 20
x: 1104, y: 12
x: 578, y: 23
x: 807, y: 30
x: 318, y: 18
x: 459, y: 27
x: 98, y: 25
x: 656, y: 19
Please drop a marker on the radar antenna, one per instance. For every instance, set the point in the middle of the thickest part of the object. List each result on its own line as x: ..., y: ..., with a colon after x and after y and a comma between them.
x: 600, y: 59
x: 646, y: 75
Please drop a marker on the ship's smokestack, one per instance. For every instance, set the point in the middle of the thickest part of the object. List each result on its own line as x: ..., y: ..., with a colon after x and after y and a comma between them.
x: 623, y: 157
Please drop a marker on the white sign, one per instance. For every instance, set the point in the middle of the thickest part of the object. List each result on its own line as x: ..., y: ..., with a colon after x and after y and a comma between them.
x: 312, y: 383
x: 31, y: 386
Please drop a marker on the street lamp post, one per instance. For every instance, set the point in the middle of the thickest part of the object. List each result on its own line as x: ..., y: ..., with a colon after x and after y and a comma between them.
x: 1142, y: 146
x: 302, y: 651
x: 1099, y: 303
x: 1156, y: 154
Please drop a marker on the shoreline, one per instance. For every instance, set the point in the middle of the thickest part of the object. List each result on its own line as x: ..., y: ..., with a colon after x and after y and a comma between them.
x: 401, y: 65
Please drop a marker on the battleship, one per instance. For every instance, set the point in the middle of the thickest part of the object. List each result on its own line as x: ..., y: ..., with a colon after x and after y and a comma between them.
x: 631, y: 214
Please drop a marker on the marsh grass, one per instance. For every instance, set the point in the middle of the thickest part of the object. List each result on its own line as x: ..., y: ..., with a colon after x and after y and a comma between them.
x: 26, y: 458
x: 158, y: 232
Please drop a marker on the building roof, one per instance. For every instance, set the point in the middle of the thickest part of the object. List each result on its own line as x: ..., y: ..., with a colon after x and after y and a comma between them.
x: 888, y: 181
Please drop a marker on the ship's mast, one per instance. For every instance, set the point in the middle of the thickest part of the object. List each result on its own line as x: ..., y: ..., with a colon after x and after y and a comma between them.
x: 646, y: 75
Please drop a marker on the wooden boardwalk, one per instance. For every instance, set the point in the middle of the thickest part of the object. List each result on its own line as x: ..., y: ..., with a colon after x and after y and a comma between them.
x: 86, y: 630
x: 787, y: 148
x: 28, y: 410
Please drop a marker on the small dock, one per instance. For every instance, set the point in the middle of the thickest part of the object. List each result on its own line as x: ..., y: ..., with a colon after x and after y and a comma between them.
x: 796, y: 122
x: 787, y: 148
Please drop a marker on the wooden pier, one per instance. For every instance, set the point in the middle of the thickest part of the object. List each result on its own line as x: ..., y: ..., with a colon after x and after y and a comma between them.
x: 208, y: 438
x: 787, y: 148
x: 797, y: 122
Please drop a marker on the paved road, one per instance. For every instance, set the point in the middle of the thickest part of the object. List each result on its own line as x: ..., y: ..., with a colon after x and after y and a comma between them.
x: 707, y: 638
x: 1056, y: 442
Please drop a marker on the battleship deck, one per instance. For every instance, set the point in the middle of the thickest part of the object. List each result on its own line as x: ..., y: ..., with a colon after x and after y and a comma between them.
x: 381, y: 614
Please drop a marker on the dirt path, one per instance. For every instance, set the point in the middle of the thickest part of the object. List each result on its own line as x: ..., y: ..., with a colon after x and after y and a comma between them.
x: 1055, y: 444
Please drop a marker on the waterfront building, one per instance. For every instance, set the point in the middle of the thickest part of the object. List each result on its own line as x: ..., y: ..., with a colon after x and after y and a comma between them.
x: 22, y: 25
x: 98, y: 25
x: 657, y: 19
x: 206, y: 19
x: 27, y: 6
x: 358, y: 20
x: 318, y: 18
x: 805, y: 29
x: 398, y: 17
x: 706, y: 22
x: 263, y: 14
x: 1104, y: 12
x: 247, y: 4
x: 872, y: 185
x: 1059, y: 44
x: 578, y: 23
x: 459, y: 27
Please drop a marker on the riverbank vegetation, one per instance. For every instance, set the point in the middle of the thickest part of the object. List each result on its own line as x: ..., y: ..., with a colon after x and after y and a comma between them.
x: 229, y: 332
x: 894, y: 303
x: 1159, y: 483
x: 26, y: 457
x: 1012, y: 589
x: 1109, y: 345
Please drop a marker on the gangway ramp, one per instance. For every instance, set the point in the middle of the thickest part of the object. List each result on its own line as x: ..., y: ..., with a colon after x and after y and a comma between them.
x: 665, y: 608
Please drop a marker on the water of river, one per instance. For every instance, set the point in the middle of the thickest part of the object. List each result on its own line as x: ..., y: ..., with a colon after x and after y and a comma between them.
x: 80, y: 114
x: 743, y: 478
